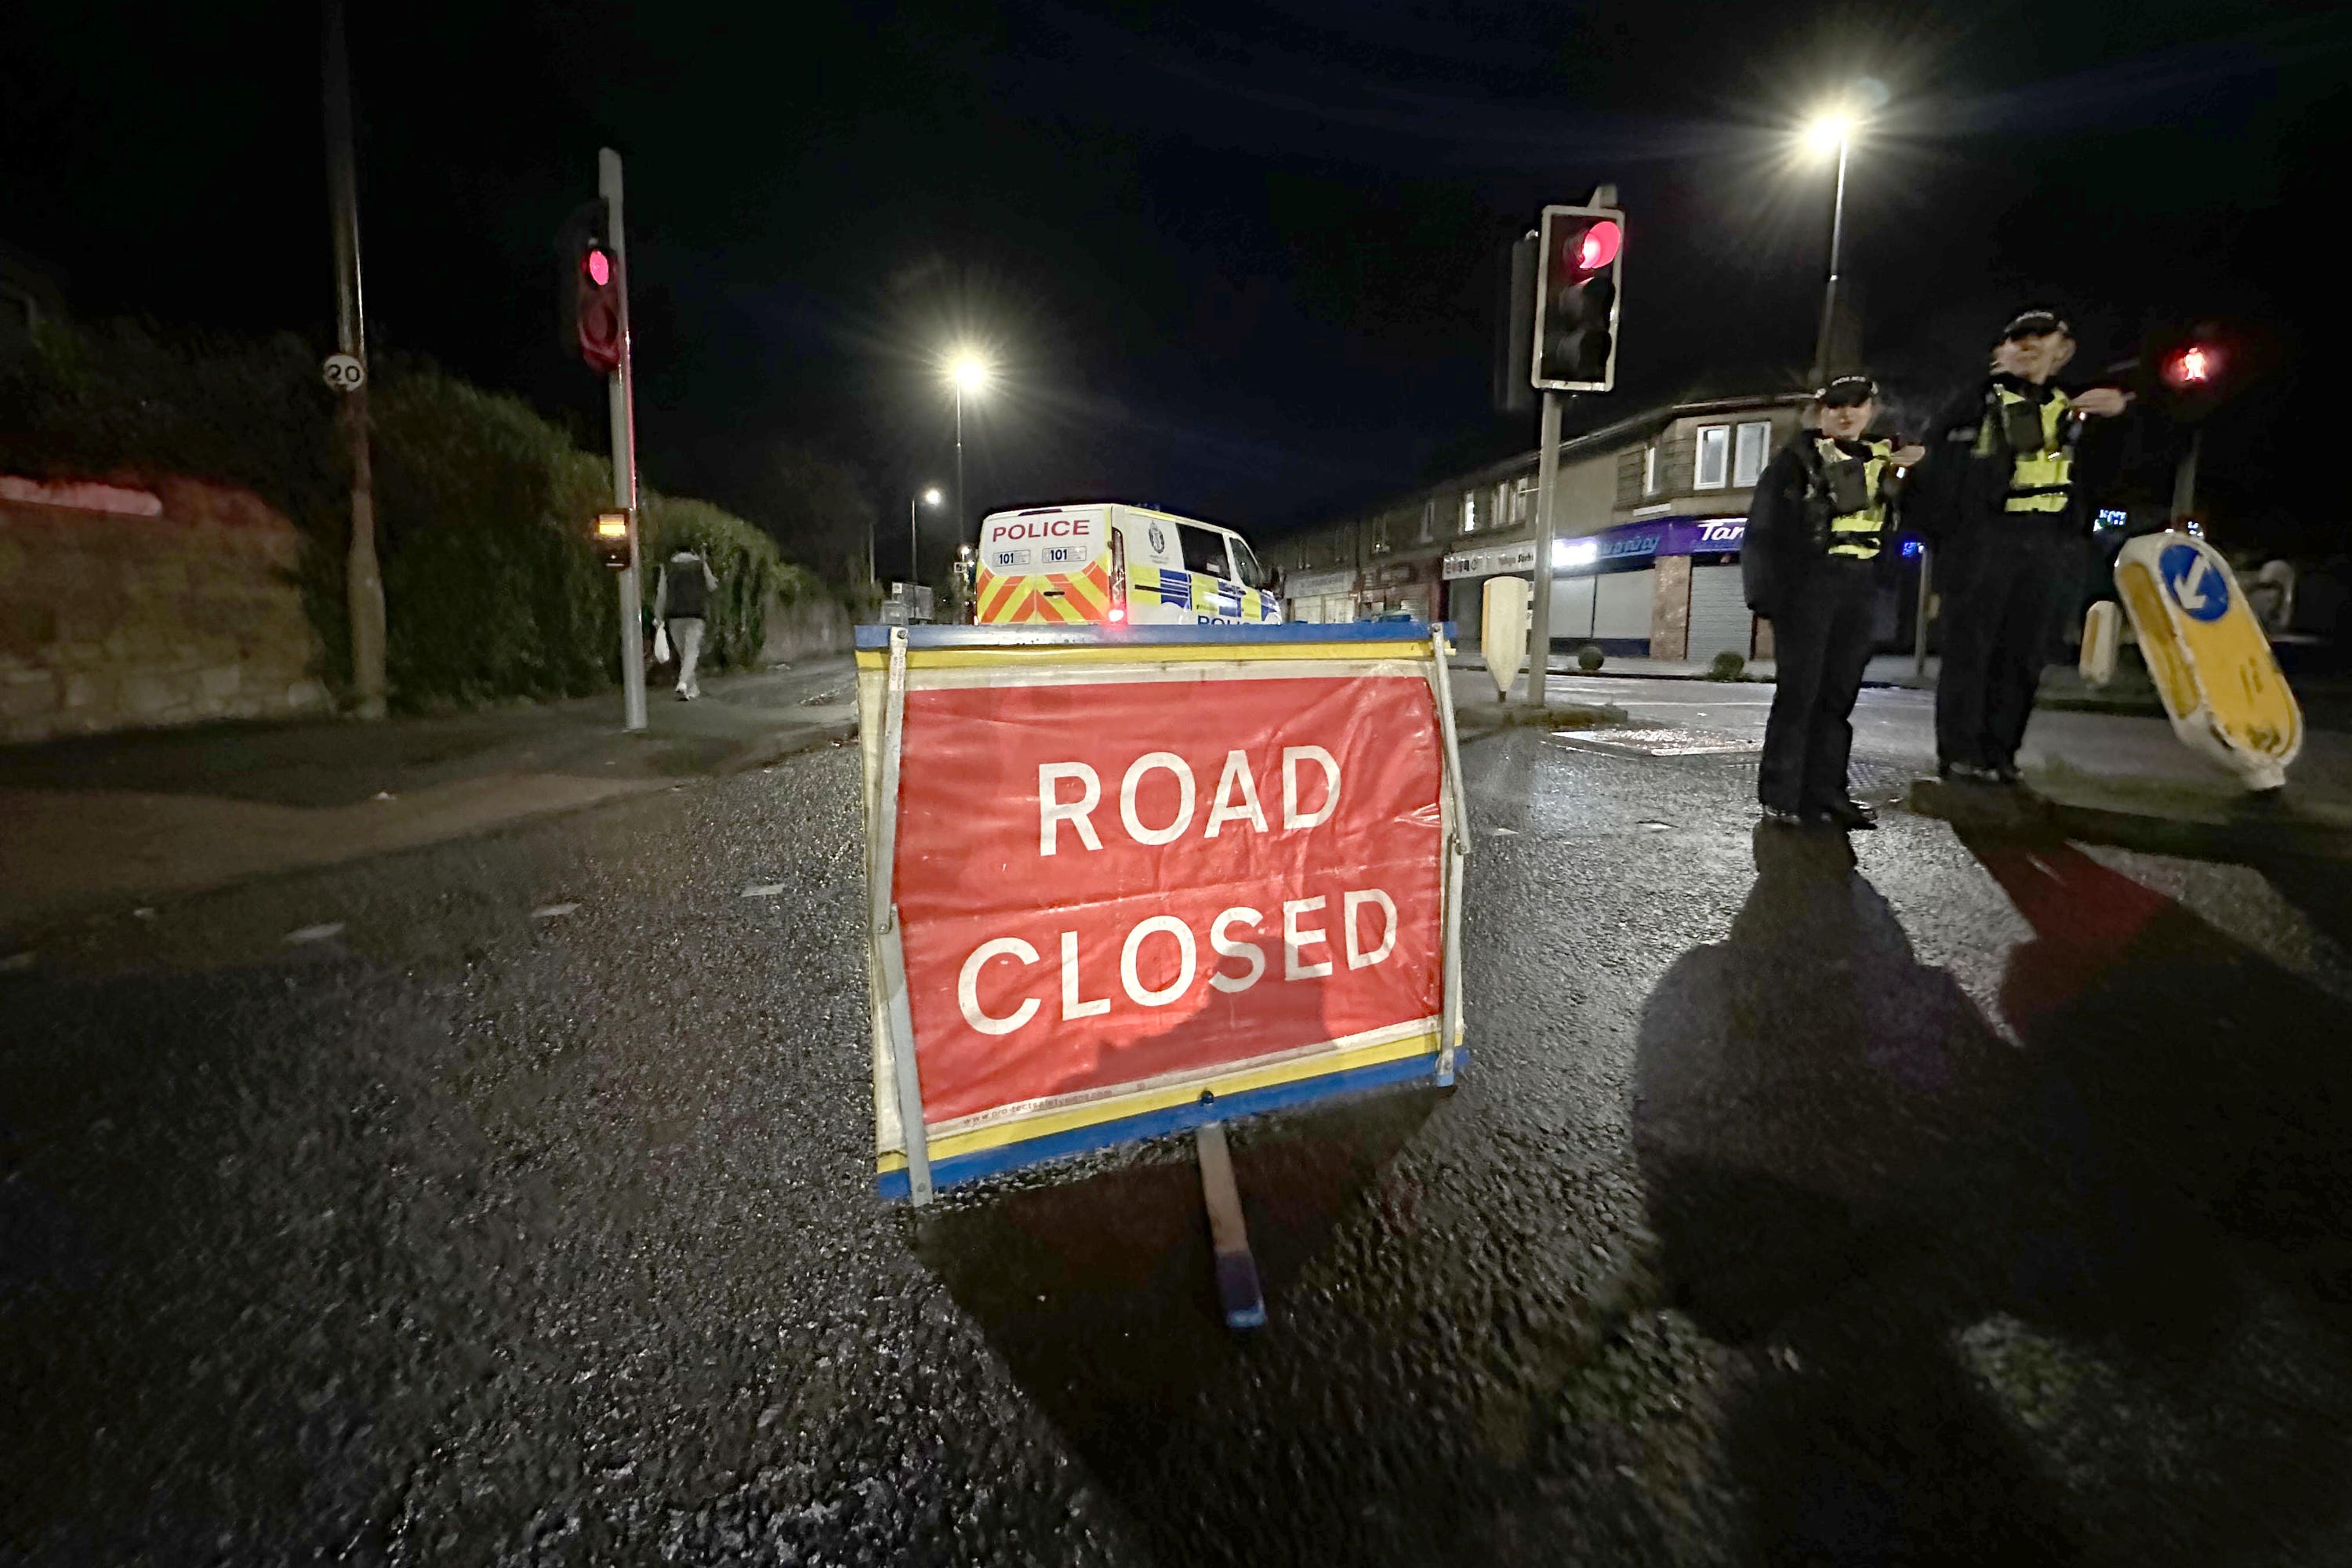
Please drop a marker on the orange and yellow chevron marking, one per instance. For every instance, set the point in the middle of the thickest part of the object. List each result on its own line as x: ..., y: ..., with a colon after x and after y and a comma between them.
x: 1071, y: 599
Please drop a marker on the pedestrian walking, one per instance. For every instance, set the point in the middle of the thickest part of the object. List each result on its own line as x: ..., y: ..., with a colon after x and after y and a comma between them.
x: 2006, y: 494
x: 682, y: 605
x: 1812, y: 563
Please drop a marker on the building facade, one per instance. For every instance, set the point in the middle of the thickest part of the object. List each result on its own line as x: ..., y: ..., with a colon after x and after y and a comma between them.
x: 1645, y: 555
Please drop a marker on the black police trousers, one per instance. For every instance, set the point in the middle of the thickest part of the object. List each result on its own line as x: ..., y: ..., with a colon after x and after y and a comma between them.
x: 2004, y: 588
x: 1820, y: 642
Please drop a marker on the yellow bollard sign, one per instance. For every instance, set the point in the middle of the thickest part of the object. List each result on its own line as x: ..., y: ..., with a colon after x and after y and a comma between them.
x: 2209, y: 658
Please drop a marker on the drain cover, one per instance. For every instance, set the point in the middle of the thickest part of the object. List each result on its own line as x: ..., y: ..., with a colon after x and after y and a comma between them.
x: 1658, y: 742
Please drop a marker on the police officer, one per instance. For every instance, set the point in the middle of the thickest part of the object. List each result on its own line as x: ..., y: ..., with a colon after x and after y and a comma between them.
x: 2006, y: 494
x: 1817, y: 541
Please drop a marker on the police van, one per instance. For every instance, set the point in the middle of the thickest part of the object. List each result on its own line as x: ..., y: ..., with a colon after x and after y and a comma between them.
x: 1109, y: 563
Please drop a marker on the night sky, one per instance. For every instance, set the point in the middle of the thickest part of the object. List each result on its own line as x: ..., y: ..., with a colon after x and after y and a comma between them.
x: 1233, y: 260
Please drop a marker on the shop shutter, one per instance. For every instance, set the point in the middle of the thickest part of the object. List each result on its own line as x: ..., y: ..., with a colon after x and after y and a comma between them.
x: 1571, y: 609
x: 1719, y: 621
x: 1622, y: 604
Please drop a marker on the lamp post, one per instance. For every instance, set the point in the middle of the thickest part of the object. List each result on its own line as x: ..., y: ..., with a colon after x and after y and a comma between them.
x: 1833, y: 131
x: 930, y: 496
x: 968, y: 372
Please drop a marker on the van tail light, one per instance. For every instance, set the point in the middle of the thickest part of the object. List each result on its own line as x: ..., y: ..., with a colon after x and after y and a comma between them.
x: 1117, y: 578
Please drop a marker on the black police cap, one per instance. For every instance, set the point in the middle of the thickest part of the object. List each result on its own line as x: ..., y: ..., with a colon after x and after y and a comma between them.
x: 1847, y: 392
x: 2036, y: 324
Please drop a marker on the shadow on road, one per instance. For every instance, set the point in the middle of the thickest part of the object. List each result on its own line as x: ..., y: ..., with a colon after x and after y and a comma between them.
x: 1100, y: 1295
x: 2003, y: 1306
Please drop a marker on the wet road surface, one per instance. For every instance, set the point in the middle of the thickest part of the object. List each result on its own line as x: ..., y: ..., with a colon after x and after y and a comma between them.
x: 1984, y: 1200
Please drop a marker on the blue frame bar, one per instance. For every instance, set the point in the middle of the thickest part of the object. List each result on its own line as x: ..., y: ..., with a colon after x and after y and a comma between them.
x: 877, y: 639
x: 1403, y: 1072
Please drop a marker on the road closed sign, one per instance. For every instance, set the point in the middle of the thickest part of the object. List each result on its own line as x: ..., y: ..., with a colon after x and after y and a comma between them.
x: 2209, y: 657
x: 1137, y: 882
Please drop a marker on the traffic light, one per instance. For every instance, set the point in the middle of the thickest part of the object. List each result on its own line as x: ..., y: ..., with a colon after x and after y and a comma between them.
x: 1515, y: 325
x: 1581, y: 251
x: 2193, y: 366
x: 2196, y: 368
x: 612, y: 539
x: 593, y: 268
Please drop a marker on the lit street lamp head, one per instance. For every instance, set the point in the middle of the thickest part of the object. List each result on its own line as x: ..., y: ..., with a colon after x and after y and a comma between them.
x: 968, y: 371
x: 1826, y: 133
x: 931, y: 497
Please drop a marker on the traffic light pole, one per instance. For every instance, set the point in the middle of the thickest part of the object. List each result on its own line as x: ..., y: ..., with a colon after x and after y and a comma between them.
x: 621, y: 397
x: 2184, y: 478
x: 362, y: 577
x: 1540, y: 613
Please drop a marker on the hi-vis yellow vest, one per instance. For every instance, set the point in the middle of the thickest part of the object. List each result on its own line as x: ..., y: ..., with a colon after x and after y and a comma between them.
x: 1859, y: 535
x: 2038, y: 481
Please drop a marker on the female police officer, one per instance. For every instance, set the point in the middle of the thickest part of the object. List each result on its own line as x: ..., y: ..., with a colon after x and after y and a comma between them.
x: 1812, y: 562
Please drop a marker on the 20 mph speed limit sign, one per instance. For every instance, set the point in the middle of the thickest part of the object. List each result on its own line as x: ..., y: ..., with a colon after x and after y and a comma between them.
x: 343, y: 372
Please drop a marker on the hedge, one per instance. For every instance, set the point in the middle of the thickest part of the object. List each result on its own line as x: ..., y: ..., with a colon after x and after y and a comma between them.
x: 491, y: 588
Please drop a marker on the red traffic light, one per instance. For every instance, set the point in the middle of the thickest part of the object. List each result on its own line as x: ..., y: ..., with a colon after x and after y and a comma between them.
x: 598, y: 312
x: 2194, y: 365
x: 1596, y: 247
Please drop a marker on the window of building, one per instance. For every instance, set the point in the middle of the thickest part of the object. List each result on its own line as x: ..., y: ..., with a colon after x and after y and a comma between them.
x: 1470, y: 511
x: 1650, y: 472
x: 1428, y: 520
x: 1748, y: 452
x: 1714, y: 458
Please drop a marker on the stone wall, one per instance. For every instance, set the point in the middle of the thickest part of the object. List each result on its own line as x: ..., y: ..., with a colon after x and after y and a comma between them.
x: 126, y: 609
x: 1670, y: 607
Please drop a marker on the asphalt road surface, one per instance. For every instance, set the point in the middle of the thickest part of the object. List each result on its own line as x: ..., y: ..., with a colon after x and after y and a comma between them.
x: 1986, y: 1201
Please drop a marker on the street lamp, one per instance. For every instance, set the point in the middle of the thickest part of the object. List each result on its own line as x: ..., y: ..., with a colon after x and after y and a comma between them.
x: 930, y: 496
x: 1832, y: 131
x: 968, y: 372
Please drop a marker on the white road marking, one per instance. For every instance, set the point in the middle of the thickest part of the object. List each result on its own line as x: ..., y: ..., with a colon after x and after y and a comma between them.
x: 553, y: 912
x: 763, y: 889
x: 317, y: 932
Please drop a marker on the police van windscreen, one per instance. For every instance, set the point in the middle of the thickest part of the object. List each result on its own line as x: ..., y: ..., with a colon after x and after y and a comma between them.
x: 1042, y: 541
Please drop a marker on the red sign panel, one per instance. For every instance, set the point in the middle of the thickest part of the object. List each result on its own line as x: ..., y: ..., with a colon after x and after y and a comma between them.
x: 1101, y: 884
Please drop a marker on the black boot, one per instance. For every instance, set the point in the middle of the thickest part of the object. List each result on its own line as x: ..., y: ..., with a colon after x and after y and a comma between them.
x: 1850, y: 815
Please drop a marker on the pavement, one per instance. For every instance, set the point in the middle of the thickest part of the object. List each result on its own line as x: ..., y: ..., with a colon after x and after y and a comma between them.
x: 1961, y: 1194
x: 99, y: 820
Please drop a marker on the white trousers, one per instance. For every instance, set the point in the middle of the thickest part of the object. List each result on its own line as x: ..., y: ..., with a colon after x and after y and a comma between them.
x: 686, y: 641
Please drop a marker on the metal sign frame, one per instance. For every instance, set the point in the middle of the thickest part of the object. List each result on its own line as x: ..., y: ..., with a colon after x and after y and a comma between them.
x: 885, y: 712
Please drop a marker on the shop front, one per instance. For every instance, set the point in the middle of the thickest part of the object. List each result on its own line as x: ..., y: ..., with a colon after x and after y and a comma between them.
x: 1320, y: 597
x: 1667, y: 587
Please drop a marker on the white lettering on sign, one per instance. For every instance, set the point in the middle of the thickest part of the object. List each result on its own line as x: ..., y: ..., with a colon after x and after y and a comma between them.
x: 1224, y: 940
x: 1238, y: 798
x: 1226, y: 947
x: 1349, y: 904
x: 1128, y: 786
x: 1071, y: 1006
x: 1133, y: 984
x: 1292, y: 817
x: 968, y: 986
x: 1051, y: 812
x: 1295, y: 937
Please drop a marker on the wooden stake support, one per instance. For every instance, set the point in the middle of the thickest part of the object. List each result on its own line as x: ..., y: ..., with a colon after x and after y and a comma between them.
x: 1237, y: 1286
